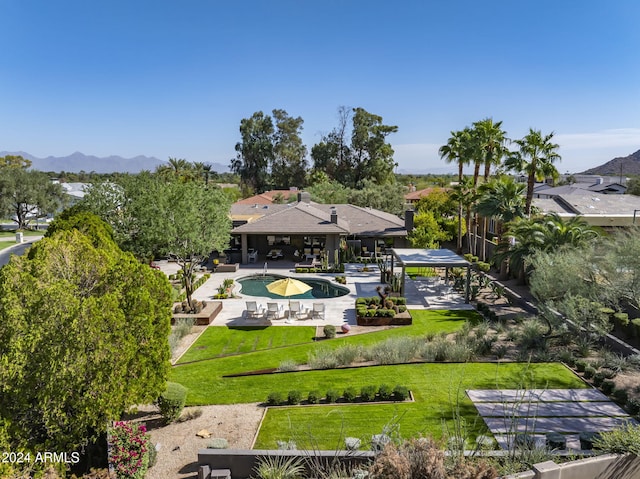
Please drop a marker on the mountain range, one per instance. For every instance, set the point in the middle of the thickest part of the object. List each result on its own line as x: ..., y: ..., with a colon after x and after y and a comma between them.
x: 622, y: 165
x: 78, y: 161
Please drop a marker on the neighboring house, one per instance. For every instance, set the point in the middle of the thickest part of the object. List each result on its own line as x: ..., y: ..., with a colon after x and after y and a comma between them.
x: 271, y: 197
x: 75, y: 191
x: 546, y: 191
x: 604, y: 210
x: 313, y: 228
x: 415, y: 196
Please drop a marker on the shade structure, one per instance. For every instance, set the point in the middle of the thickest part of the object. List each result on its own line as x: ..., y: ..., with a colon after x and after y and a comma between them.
x: 288, y: 287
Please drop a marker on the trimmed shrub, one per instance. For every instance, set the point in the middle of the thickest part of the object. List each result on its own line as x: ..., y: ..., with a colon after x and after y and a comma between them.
x: 607, y: 386
x: 368, y: 393
x: 622, y: 319
x: 275, y: 399
x: 332, y: 396
x: 350, y: 394
x: 598, y: 378
x: 581, y: 365
x: 329, y: 331
x: 589, y: 372
x: 484, y: 267
x: 313, y: 397
x: 400, y: 393
x: 633, y: 406
x: 587, y: 439
x: 385, y: 392
x: 620, y: 395
x: 171, y: 401
x: 294, y: 397
x: 218, y: 443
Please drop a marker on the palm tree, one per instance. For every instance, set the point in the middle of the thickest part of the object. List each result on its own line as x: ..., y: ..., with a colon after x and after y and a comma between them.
x: 490, y: 144
x: 535, y: 158
x: 455, y: 152
x: 545, y: 233
x: 465, y: 194
x: 501, y: 199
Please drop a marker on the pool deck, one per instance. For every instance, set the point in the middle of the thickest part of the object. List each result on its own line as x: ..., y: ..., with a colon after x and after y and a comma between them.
x: 337, y: 310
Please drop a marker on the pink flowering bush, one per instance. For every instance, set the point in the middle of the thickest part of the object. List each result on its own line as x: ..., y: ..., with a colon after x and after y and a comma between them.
x: 129, y: 450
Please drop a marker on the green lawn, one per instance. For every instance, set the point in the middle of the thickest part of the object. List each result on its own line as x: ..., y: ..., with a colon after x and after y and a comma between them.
x: 223, y: 351
x: 435, y: 388
x: 203, y: 378
x: 216, y: 342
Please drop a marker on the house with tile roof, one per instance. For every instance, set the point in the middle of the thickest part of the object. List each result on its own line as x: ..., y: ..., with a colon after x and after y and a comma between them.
x: 303, y: 229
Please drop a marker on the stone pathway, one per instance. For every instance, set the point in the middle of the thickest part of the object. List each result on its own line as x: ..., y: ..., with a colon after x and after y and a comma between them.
x: 537, y: 412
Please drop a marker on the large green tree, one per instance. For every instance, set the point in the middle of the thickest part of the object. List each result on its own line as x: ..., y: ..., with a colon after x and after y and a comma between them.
x: 289, y: 166
x: 535, y: 157
x: 83, y: 336
x: 254, y: 152
x: 152, y: 217
x: 27, y: 195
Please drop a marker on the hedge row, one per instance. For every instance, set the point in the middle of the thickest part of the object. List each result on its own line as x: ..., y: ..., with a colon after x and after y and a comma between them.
x: 366, y: 394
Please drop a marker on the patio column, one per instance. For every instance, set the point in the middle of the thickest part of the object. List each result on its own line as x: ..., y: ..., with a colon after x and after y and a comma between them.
x: 244, y: 248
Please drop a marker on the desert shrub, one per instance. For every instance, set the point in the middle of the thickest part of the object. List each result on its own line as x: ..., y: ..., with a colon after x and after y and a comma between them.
x: 322, y: 359
x: 289, y: 445
x: 633, y: 406
x: 531, y: 336
x: 567, y: 357
x: 400, y: 393
x: 615, y: 362
x: 171, y: 401
x: 352, y: 443
x: 481, y: 329
x: 621, y: 318
x: 589, y: 372
x: 607, y: 386
x: 458, y: 353
x: 624, y: 440
x: 275, y: 398
x: 368, y: 393
x: 390, y: 463
x: 584, y: 345
x: 188, y: 415
x: 347, y: 354
x: 440, y: 347
x: 287, y: 365
x: 484, y: 267
x: 385, y: 392
x: 598, y: 377
x: 218, y: 443
x: 279, y: 467
x: 294, y: 397
x: 329, y: 331
x: 620, y: 395
x: 313, y: 397
x: 483, y: 346
x: 350, y: 394
x: 500, y: 350
x: 581, y: 365
x: 332, y: 395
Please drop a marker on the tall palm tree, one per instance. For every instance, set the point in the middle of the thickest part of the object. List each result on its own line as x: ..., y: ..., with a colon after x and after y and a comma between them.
x: 465, y: 194
x: 503, y: 200
x: 491, y: 147
x: 535, y: 158
x: 455, y: 152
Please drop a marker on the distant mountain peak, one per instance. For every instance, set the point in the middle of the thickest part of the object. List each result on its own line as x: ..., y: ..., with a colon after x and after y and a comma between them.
x: 623, y: 165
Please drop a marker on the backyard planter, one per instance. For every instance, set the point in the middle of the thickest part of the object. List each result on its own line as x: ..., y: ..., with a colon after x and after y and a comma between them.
x: 382, y: 311
x: 204, y: 317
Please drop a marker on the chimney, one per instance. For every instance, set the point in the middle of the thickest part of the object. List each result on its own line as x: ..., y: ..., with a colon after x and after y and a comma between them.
x: 304, y: 197
x: 408, y: 220
x: 334, y: 215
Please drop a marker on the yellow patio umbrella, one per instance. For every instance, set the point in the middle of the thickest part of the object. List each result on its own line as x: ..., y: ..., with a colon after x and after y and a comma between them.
x: 288, y: 287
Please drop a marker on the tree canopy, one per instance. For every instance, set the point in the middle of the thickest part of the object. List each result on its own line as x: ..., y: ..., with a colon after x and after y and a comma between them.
x: 83, y: 336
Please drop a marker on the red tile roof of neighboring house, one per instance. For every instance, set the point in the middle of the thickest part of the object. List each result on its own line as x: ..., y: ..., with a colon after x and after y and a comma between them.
x: 416, y: 195
x: 267, y: 197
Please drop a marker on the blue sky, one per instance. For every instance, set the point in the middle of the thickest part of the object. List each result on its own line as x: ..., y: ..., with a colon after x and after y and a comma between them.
x: 174, y: 78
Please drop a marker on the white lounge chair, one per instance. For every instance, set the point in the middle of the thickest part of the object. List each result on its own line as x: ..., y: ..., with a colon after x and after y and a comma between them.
x: 254, y: 310
x: 318, y: 310
x: 297, y: 310
x: 252, y: 256
x: 275, y: 311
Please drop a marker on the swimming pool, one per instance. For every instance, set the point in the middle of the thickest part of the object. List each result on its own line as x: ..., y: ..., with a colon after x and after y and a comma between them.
x: 256, y: 285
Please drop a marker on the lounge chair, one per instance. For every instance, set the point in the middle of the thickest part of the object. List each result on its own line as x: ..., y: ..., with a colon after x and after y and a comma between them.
x: 318, y: 311
x: 253, y: 256
x: 314, y: 263
x: 297, y: 310
x: 254, y: 310
x: 275, y: 311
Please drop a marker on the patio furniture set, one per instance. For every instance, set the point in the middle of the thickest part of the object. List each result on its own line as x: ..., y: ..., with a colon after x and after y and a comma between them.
x: 275, y: 310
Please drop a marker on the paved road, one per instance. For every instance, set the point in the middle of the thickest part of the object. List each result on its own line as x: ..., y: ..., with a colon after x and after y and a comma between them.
x: 18, y: 249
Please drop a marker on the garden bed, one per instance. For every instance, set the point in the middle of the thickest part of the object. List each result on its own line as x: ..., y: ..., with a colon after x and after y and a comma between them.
x: 204, y: 317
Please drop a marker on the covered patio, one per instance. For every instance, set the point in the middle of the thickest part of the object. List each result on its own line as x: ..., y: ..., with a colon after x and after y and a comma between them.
x: 430, y: 258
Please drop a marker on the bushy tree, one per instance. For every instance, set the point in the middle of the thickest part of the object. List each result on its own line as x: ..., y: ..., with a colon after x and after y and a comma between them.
x: 83, y: 336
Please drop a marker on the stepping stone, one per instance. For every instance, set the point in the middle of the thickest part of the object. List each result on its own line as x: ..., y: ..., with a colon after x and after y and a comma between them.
x: 542, y: 409
x: 519, y: 395
x: 554, y: 424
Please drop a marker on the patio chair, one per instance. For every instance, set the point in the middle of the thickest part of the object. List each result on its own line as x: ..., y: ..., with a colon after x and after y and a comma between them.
x: 253, y: 256
x: 318, y: 311
x: 254, y: 310
x: 275, y: 311
x: 297, y: 310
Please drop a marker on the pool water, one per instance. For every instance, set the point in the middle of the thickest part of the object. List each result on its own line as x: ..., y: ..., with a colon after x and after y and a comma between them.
x: 257, y: 286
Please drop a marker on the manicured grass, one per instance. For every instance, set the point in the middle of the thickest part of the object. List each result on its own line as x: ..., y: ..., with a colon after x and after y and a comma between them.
x: 222, y: 341
x: 435, y: 387
x: 198, y: 376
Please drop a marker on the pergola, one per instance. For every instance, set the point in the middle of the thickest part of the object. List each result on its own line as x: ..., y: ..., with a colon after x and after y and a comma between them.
x: 431, y: 258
